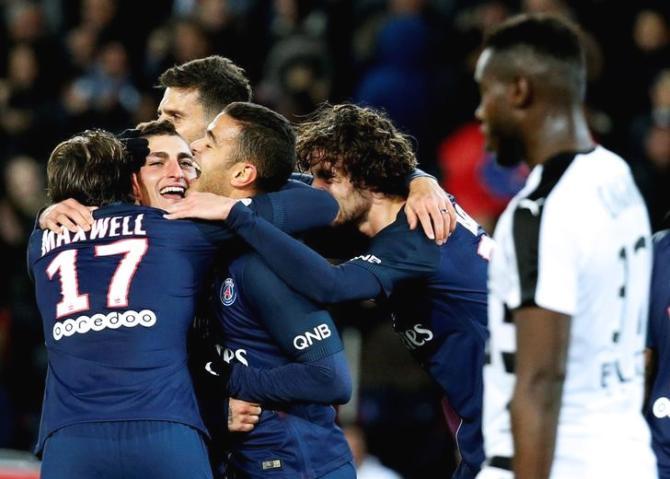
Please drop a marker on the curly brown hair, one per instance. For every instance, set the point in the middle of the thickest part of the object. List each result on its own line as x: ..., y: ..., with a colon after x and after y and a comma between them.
x: 361, y: 141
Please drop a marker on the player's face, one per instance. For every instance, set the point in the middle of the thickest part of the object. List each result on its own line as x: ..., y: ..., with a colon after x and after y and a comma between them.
x: 354, y: 203
x: 215, y: 154
x: 494, y: 112
x: 167, y: 171
x: 182, y: 108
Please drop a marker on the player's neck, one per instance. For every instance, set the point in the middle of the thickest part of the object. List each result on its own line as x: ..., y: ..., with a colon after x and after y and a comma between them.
x: 383, y: 212
x: 239, y: 193
x: 559, y: 132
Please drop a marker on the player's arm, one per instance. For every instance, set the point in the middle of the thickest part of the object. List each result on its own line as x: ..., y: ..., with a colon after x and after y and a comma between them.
x: 549, y: 257
x: 318, y: 371
x: 542, y: 344
x: 427, y: 203
x: 367, y: 276
x: 296, y: 208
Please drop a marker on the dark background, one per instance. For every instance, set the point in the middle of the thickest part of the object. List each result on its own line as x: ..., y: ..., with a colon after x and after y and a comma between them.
x: 71, y: 65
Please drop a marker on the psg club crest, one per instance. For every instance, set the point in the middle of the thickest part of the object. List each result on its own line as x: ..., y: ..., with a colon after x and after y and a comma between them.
x: 228, y: 292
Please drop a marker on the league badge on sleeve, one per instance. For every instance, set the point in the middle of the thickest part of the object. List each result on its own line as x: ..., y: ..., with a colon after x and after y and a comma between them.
x: 228, y: 293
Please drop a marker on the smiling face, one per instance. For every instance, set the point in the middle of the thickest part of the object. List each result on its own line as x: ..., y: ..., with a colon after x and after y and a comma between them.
x: 495, y: 112
x: 216, y: 155
x: 182, y: 107
x: 166, y: 174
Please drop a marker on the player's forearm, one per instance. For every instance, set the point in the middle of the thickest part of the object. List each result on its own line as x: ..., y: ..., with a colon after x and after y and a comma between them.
x: 298, y: 208
x: 324, y: 381
x: 302, y: 268
x: 534, y: 410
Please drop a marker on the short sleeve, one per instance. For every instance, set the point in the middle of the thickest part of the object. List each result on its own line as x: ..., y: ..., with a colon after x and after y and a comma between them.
x: 547, y: 259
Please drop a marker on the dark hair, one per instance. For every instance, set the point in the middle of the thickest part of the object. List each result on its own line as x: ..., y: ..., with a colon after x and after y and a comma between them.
x: 218, y: 81
x: 91, y: 167
x: 267, y: 140
x: 549, y: 38
x: 156, y: 128
x: 363, y: 142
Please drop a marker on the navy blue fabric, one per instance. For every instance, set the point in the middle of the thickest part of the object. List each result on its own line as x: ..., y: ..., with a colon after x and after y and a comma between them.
x: 659, y: 341
x: 437, y: 297
x: 325, y: 380
x: 126, y: 368
x: 266, y: 325
x: 126, y: 450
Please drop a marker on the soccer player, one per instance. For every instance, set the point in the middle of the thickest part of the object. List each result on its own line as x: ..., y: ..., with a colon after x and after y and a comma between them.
x: 657, y: 409
x: 301, y: 368
x: 569, y: 277
x: 198, y: 90
x: 436, y: 294
x: 128, y: 284
x: 115, y: 308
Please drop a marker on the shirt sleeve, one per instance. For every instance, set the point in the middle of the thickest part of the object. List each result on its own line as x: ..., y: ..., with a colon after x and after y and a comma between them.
x: 306, y: 334
x: 417, y: 173
x: 302, y: 268
x: 399, y: 255
x: 324, y: 381
x: 296, y: 208
x: 303, y: 330
x: 548, y: 259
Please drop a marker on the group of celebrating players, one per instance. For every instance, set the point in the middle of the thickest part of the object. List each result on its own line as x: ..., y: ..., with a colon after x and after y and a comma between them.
x: 537, y: 342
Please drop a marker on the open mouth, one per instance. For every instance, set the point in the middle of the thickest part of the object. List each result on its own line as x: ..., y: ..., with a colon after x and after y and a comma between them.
x: 173, y: 192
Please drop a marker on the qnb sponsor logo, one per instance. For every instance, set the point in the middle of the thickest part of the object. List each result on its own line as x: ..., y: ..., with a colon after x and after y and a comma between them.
x: 368, y: 258
x: 229, y: 354
x: 98, y: 322
x: 416, y: 336
x: 305, y: 340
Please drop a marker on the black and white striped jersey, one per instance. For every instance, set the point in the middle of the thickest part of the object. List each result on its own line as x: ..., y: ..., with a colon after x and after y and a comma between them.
x: 576, y: 240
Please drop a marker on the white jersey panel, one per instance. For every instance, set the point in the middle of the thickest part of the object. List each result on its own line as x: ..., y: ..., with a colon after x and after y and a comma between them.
x: 579, y: 244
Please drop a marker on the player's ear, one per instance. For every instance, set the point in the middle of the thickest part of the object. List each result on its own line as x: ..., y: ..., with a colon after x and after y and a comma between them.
x: 521, y: 92
x: 244, y: 175
x: 136, y: 188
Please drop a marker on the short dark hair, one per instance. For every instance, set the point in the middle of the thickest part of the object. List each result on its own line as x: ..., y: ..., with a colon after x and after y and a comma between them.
x: 548, y: 38
x: 218, y: 81
x: 92, y: 167
x: 267, y: 140
x: 157, y: 128
x: 363, y: 142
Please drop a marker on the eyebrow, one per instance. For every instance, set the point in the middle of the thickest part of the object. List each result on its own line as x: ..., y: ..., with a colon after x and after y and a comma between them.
x: 211, y: 135
x: 165, y: 155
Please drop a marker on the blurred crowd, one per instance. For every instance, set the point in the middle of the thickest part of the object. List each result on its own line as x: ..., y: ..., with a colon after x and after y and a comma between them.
x: 68, y: 65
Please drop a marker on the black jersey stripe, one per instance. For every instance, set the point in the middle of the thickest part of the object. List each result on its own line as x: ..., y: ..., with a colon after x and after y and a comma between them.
x: 526, y: 225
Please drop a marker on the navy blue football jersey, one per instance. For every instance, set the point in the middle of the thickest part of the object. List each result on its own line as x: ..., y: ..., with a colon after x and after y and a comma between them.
x: 116, y: 303
x: 265, y: 325
x: 658, y: 406
x: 436, y: 294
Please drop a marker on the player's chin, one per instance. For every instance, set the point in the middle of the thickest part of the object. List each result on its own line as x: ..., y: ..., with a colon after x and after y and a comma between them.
x: 169, y: 200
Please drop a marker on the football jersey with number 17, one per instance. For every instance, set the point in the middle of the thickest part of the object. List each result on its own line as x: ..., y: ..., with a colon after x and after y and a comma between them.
x: 116, y: 303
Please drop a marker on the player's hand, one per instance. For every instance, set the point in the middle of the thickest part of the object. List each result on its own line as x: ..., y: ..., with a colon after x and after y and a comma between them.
x: 68, y: 214
x: 204, y: 206
x: 428, y: 204
x: 136, y: 146
x: 242, y: 416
